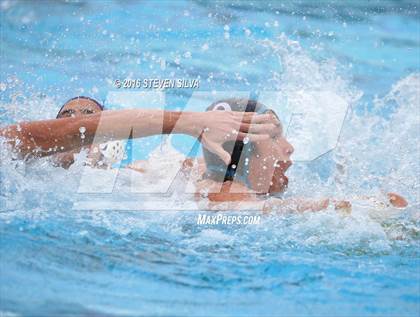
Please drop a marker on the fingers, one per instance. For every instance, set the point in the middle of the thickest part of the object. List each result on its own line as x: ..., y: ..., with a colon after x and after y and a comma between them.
x: 252, y: 137
x: 252, y: 117
x: 397, y: 200
x: 343, y: 205
x: 219, y: 151
x: 267, y: 128
x: 258, y: 124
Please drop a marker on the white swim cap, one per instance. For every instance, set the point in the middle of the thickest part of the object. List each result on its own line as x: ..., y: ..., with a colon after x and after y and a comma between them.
x: 112, y: 151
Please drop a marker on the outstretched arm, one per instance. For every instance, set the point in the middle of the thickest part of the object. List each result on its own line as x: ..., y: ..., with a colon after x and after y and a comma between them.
x: 47, y: 137
x: 295, y: 204
x: 300, y: 204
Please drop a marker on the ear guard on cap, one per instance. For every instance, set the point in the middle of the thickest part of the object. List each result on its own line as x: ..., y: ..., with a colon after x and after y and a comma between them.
x: 112, y: 151
x: 222, y: 106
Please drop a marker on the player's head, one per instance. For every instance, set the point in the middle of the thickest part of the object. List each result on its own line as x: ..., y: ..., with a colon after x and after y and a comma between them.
x: 259, y: 165
x: 75, y: 107
x: 79, y: 106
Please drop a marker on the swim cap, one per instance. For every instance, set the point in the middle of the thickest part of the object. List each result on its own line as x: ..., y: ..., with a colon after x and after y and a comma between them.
x: 216, y: 169
x: 81, y: 97
x: 112, y: 151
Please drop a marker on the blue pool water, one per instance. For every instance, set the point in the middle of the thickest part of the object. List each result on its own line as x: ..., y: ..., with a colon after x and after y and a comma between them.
x: 57, y: 260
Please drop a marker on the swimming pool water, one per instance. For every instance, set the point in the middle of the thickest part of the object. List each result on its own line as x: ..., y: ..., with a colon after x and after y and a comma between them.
x: 58, y: 260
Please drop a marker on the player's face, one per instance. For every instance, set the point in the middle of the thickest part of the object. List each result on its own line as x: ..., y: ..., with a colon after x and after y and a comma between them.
x: 268, y: 164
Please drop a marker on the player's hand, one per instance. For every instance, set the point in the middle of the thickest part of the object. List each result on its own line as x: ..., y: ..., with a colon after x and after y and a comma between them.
x: 218, y: 127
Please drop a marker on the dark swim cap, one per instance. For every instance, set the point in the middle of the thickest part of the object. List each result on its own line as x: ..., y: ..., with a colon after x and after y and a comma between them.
x: 81, y: 97
x: 216, y: 169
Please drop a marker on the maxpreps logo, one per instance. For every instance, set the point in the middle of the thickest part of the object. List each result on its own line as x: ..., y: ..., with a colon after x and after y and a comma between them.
x: 221, y: 219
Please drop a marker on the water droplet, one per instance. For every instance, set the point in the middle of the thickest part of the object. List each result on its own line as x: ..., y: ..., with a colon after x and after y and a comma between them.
x: 246, y: 140
x: 82, y: 129
x: 233, y: 166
